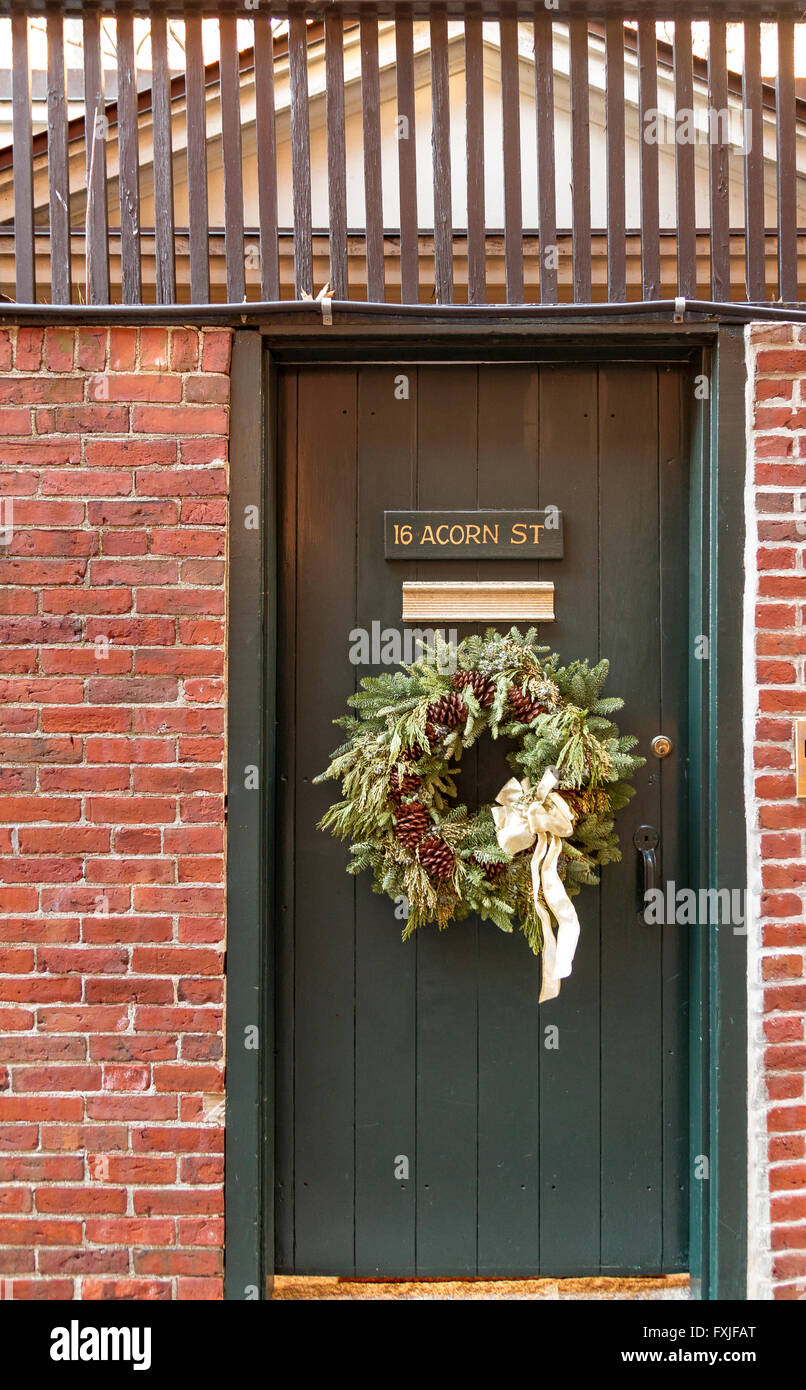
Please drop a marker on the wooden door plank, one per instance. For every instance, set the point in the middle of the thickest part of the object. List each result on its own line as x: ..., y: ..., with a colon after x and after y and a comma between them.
x: 787, y: 163
x: 474, y: 126
x: 511, y: 129
x: 164, y: 247
x: 407, y: 162
x: 198, y: 230
x: 447, y: 1007
x: 616, y: 214
x: 95, y: 225
x: 580, y: 159
x: 570, y: 1198
x: 300, y: 155
x: 718, y: 151
x: 266, y: 135
x: 674, y: 394
x: 546, y: 183
x: 510, y: 1031
x: 324, y: 948
x: 441, y: 156
x: 373, y: 169
x: 648, y: 159
x: 58, y: 175
x: 755, y: 238
x: 632, y: 995
x: 684, y: 165
x: 336, y: 156
x: 231, y: 160
x: 128, y: 161
x: 386, y: 967
x: 285, y: 843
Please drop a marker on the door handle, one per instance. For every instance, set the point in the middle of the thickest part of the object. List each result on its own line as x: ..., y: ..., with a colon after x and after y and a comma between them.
x: 646, y: 840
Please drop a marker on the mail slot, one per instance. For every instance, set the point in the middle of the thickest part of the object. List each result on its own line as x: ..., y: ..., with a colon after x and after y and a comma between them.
x: 468, y: 602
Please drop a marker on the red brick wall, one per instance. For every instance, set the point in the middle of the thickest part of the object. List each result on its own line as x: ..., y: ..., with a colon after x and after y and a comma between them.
x: 777, y: 945
x: 112, y: 603
x: 112, y: 599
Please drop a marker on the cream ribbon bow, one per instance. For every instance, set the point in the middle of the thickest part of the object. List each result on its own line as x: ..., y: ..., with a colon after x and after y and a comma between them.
x: 529, y: 815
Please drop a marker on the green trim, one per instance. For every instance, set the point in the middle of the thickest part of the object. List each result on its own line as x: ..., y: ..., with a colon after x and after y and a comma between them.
x: 246, y: 682
x: 727, y: 831
x: 718, y: 1077
x: 718, y: 958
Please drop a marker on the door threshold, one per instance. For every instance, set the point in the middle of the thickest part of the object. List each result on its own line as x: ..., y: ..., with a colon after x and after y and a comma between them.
x: 646, y: 1288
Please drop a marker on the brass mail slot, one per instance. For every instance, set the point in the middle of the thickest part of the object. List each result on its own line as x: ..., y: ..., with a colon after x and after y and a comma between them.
x: 470, y: 602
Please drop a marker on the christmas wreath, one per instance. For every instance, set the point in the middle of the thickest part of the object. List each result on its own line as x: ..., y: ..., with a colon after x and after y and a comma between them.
x: 521, y: 860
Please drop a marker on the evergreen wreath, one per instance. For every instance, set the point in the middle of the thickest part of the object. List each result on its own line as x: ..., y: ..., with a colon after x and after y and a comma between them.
x: 400, y: 764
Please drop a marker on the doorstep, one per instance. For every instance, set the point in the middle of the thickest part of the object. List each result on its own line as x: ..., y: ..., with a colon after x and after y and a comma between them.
x: 665, y: 1287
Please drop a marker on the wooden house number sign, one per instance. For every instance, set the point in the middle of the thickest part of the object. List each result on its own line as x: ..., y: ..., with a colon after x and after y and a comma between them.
x: 479, y: 535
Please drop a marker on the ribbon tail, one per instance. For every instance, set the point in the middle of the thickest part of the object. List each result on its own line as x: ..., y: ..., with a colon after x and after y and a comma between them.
x: 550, y: 984
x: 564, y: 911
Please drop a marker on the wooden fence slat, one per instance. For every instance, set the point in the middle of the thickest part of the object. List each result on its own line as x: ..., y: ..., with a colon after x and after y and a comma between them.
x: 373, y: 185
x: 441, y: 160
x: 684, y: 165
x: 511, y: 127
x: 580, y: 160
x: 754, y: 222
x: 128, y: 162
x: 58, y: 167
x: 718, y: 150
x: 407, y: 161
x: 648, y: 158
x: 266, y: 137
x: 23, y: 156
x: 787, y: 165
x: 96, y: 233
x: 616, y: 212
x: 474, y: 128
x: 164, y: 248
x: 336, y: 153
x: 546, y: 179
x: 300, y: 155
x: 231, y: 158
x: 198, y: 224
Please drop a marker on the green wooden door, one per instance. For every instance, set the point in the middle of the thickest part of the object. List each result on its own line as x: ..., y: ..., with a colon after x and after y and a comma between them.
x: 524, y: 1157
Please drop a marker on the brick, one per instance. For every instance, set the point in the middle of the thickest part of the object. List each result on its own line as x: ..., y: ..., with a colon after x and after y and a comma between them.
x: 129, y: 1231
x: 122, y: 349
x: 31, y: 1232
x: 94, y: 418
x: 188, y: 482
x: 184, y: 350
x: 173, y: 420
x: 30, y: 343
x: 91, y: 348
x: 135, y: 386
x: 147, y: 1289
x: 216, y: 347
x: 36, y: 390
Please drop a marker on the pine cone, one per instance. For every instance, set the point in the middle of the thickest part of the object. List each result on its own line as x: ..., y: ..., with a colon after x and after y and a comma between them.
x: 418, y: 749
x: 436, y: 857
x: 448, y: 711
x: 483, y: 689
x: 411, y: 823
x: 491, y: 871
x: 524, y: 708
x: 402, y: 784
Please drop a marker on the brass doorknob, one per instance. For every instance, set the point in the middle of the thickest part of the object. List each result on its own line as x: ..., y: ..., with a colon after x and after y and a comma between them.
x: 661, y: 745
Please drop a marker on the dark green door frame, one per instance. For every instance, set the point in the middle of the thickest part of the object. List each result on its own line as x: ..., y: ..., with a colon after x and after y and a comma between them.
x: 718, y: 956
